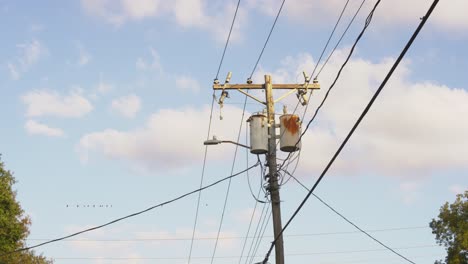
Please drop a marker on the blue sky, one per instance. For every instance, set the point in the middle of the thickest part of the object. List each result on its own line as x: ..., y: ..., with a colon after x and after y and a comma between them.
x: 108, y: 103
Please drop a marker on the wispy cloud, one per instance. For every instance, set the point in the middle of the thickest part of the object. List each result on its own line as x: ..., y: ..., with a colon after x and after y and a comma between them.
x: 186, y: 83
x: 29, y: 54
x: 51, y: 103
x: 36, y: 128
x: 127, y: 106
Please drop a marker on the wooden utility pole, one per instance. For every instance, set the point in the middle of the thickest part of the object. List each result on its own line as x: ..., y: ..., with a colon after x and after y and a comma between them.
x: 273, y: 187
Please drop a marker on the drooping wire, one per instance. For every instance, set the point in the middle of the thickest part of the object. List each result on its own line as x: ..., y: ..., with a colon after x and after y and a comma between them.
x: 361, y: 117
x: 227, y: 40
x: 341, y: 38
x: 229, y: 182
x: 134, y: 214
x: 341, y: 215
x: 201, y: 179
x: 268, y: 38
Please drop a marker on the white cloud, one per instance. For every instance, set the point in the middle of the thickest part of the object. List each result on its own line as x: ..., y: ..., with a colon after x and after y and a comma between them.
x: 36, y: 128
x: 448, y: 15
x: 186, y: 13
x: 50, y: 103
x: 413, y: 129
x: 127, y: 106
x: 30, y: 53
x: 171, y: 139
x: 120, y: 11
x: 187, y: 84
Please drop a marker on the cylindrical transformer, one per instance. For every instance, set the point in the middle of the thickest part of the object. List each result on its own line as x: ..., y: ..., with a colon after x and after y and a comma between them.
x: 258, y: 134
x: 290, y: 132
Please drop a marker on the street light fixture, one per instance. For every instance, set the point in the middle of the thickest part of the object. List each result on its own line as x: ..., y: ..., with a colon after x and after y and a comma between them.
x: 216, y: 141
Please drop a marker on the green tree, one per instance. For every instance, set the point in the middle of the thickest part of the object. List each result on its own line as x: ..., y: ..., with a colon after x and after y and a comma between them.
x: 14, y: 224
x: 451, y: 230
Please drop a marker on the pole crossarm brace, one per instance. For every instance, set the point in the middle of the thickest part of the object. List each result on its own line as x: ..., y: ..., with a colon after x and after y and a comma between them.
x: 242, y: 87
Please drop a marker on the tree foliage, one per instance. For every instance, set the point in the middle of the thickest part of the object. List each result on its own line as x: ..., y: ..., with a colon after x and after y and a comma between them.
x: 14, y: 224
x: 451, y: 230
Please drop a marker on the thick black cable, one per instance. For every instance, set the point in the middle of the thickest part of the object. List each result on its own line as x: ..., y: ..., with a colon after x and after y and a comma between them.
x: 268, y: 38
x: 361, y: 117
x: 342, y: 216
x: 201, y: 179
x: 329, y: 38
x: 341, y: 38
x: 134, y: 214
x: 227, y: 40
x: 229, y: 182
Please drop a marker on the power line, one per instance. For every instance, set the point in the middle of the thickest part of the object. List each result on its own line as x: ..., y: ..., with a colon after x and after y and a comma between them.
x: 227, y: 40
x: 257, y: 230
x: 330, y: 37
x: 232, y: 257
x: 201, y: 178
x: 235, y: 237
x: 134, y: 214
x: 366, y: 24
x: 361, y: 117
x: 268, y: 38
x: 229, y: 182
x: 209, y: 127
x: 260, y: 237
x: 342, y: 216
x: 341, y: 38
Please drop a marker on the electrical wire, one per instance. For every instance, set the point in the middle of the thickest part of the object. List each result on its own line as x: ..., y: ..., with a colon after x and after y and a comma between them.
x: 134, y: 214
x: 341, y: 38
x: 260, y: 237
x: 328, y: 58
x: 250, y: 225
x: 329, y: 38
x: 366, y: 24
x: 229, y: 182
x: 232, y: 257
x: 265, y: 205
x: 209, y: 128
x: 227, y: 40
x: 342, y: 216
x: 235, y: 237
x: 201, y: 178
x: 361, y: 117
x: 268, y: 38
x: 318, y: 62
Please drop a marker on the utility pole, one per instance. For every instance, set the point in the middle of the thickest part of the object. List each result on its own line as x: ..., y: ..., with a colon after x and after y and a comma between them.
x: 273, y: 187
